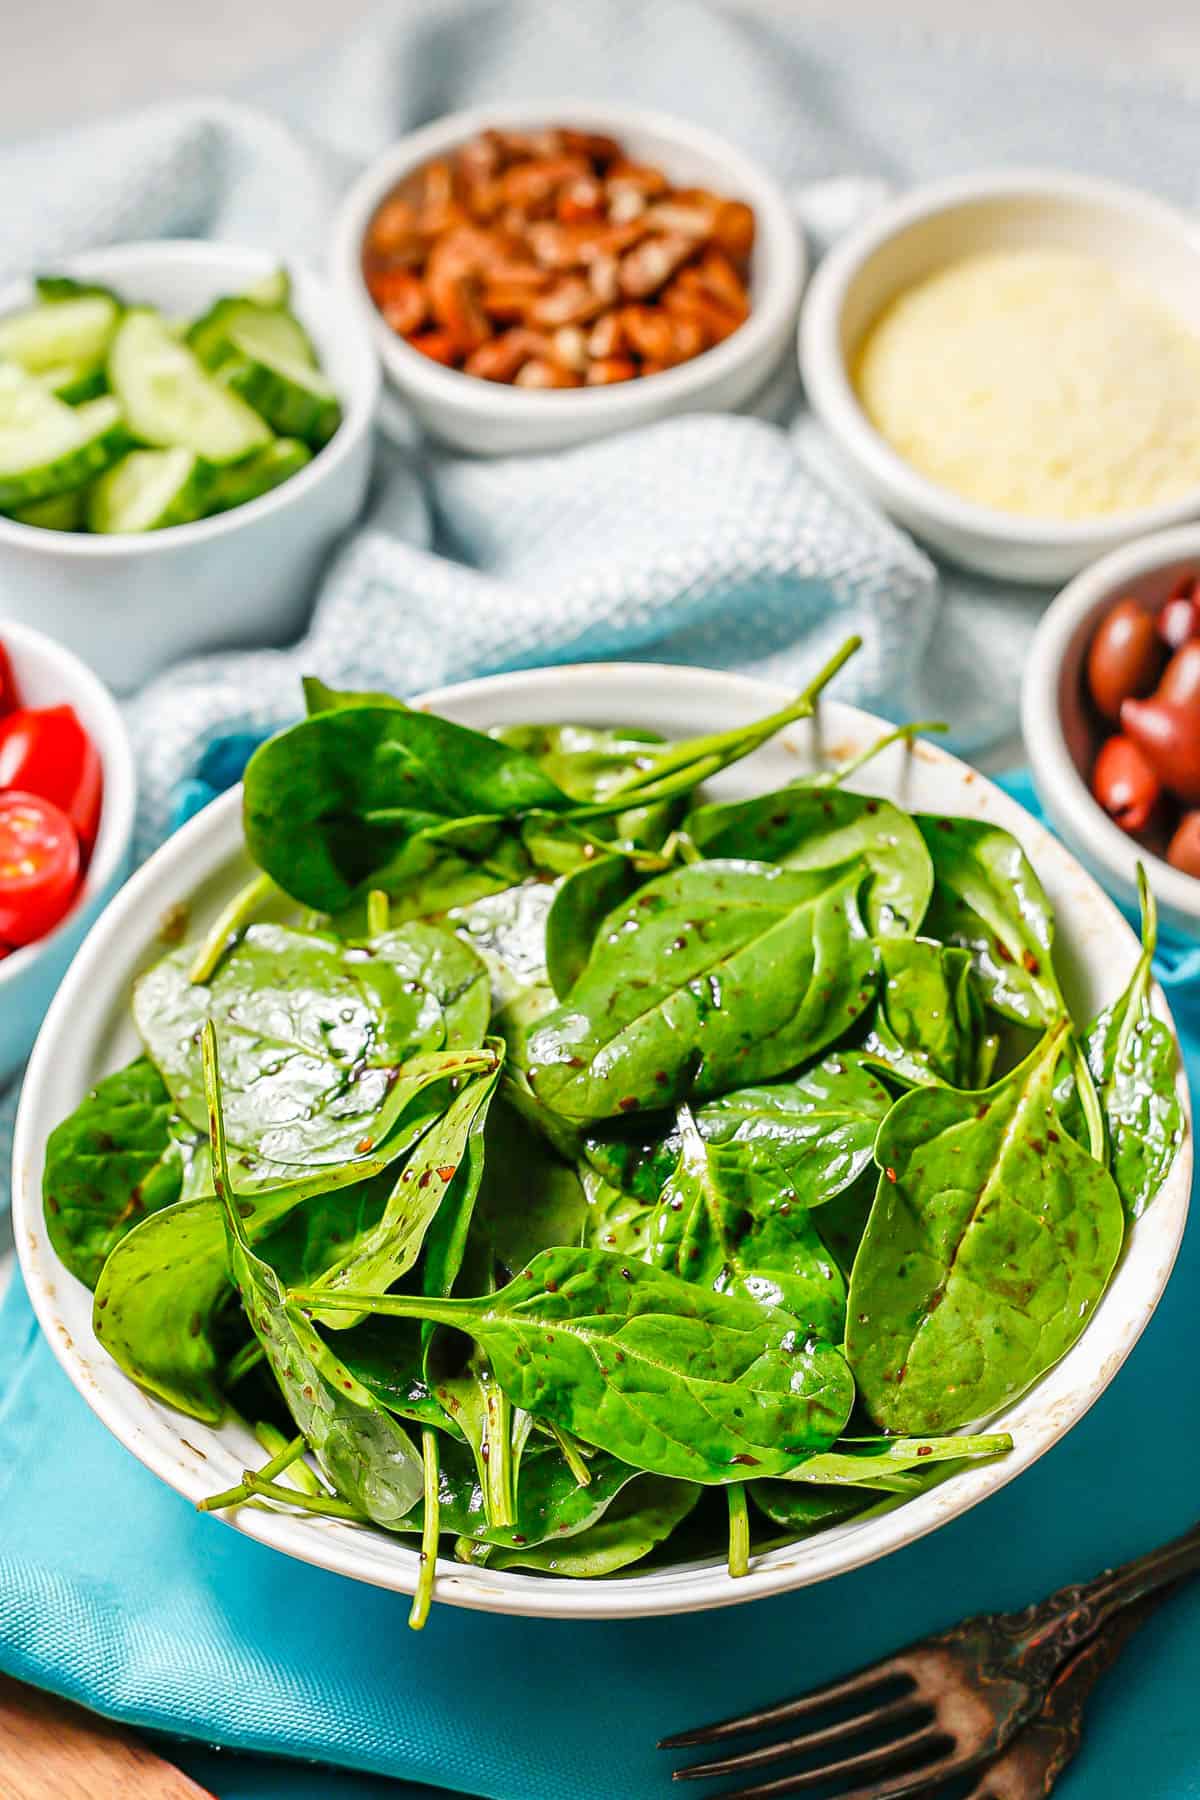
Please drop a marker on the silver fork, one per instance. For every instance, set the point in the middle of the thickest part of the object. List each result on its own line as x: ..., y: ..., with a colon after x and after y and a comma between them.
x: 940, y: 1708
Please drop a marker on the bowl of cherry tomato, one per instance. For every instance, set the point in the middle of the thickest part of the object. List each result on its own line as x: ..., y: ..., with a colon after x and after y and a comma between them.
x: 1111, y: 718
x: 67, y: 797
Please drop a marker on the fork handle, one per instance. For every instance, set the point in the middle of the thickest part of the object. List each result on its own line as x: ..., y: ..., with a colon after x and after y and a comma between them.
x: 1046, y: 1634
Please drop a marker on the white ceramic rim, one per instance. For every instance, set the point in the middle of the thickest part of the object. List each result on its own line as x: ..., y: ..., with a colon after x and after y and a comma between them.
x: 832, y: 395
x: 118, y: 799
x: 1041, y: 719
x: 785, y: 261
x: 119, y: 262
x: 1062, y: 1397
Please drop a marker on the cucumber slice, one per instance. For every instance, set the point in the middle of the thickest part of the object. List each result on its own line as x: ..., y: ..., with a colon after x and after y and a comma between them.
x: 267, y: 330
x: 296, y: 400
x: 258, y: 474
x: 65, y: 287
x: 170, y: 401
x: 274, y: 289
x: 74, y: 382
x: 47, y: 447
x: 149, y: 490
x: 62, y: 512
x: 76, y: 331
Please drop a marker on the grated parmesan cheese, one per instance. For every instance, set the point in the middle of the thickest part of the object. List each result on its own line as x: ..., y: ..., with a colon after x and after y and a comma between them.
x: 1037, y: 381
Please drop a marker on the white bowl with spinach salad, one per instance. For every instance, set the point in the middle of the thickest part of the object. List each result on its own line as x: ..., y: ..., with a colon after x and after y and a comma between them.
x: 648, y: 1195
x: 184, y: 432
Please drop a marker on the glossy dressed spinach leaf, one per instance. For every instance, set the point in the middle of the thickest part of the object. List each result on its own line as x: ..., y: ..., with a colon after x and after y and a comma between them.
x: 582, y: 903
x: 669, y: 1377
x: 551, y: 1504
x: 812, y: 1134
x: 644, y: 1516
x: 987, y: 899
x: 616, y: 1221
x: 717, y: 1225
x: 714, y: 975
x: 444, y: 1170
x: 589, y: 763
x: 109, y: 1165
x: 163, y: 1285
x: 819, y: 826
x: 1134, y: 1061
x: 361, y: 1449
x: 891, y: 1462
x: 928, y: 1024
x: 316, y: 1033
x: 992, y: 1238
x: 802, y: 1511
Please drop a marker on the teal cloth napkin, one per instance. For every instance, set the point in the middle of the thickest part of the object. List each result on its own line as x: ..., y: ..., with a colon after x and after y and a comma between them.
x: 113, y: 1591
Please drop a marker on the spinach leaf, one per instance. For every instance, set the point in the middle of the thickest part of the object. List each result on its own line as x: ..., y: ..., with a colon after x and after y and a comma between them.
x: 361, y: 1449
x: 319, y: 697
x: 671, y: 1378
x: 386, y: 1356
x: 348, y: 799
x: 718, y: 1226
x: 443, y: 1171
x: 645, y: 1515
x: 582, y: 902
x: 616, y: 1221
x: 890, y: 1462
x: 588, y: 763
x: 813, y: 1134
x: 819, y: 826
x: 163, y: 1285
x: 803, y: 1511
x: 991, y: 1240
x: 842, y: 1221
x: 713, y: 975
x: 528, y: 1198
x: 928, y: 1021
x: 551, y: 1504
x: 1133, y: 1060
x: 110, y: 1164
x: 987, y: 899
x: 317, y: 1032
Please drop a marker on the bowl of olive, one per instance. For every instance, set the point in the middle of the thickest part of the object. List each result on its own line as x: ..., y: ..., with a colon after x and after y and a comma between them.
x: 1111, y: 717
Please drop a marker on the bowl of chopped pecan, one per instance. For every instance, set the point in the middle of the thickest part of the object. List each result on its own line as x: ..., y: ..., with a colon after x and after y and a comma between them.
x: 535, y: 276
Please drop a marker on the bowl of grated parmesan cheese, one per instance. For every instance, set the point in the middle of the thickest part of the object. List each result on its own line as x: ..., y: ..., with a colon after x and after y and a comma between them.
x: 1010, y: 363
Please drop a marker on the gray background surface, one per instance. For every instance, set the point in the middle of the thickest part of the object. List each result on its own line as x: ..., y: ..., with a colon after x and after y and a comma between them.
x: 77, y: 58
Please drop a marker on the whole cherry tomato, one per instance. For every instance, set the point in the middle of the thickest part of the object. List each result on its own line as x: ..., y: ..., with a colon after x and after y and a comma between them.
x: 1125, y: 657
x: 1125, y: 784
x: 45, y: 750
x: 39, y: 867
x: 1183, y: 852
x: 8, y: 683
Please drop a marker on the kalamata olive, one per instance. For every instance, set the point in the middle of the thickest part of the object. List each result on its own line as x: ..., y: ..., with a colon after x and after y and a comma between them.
x: 1125, y: 784
x: 1180, y: 684
x: 1169, y: 737
x: 1183, y: 852
x: 1125, y: 657
x: 1179, y: 615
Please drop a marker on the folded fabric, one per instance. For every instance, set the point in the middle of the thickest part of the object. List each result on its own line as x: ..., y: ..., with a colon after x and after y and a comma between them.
x: 115, y: 1592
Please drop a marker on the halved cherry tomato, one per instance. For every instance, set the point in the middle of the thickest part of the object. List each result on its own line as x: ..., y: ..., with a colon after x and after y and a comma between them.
x: 45, y: 750
x: 8, y: 684
x: 39, y: 867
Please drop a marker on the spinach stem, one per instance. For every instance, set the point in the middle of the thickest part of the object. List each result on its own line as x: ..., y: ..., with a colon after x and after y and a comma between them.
x: 241, y: 1363
x: 423, y: 1597
x: 470, y: 1550
x: 323, y: 1504
x: 1089, y: 1099
x: 498, y: 1497
x: 572, y: 1456
x: 436, y: 1309
x: 902, y: 734
x: 1139, y: 987
x: 739, y: 1530
x: 274, y: 1442
x: 378, y: 912
x: 227, y: 924
x: 283, y: 1459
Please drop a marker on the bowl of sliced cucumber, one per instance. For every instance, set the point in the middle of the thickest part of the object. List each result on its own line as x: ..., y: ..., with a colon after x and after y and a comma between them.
x: 184, y: 433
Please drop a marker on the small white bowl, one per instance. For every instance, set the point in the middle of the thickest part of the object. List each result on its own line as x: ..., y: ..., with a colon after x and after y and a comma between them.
x: 130, y: 605
x: 1001, y: 210
x: 493, y: 419
x: 89, y: 1032
x: 48, y: 675
x: 1060, y: 734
